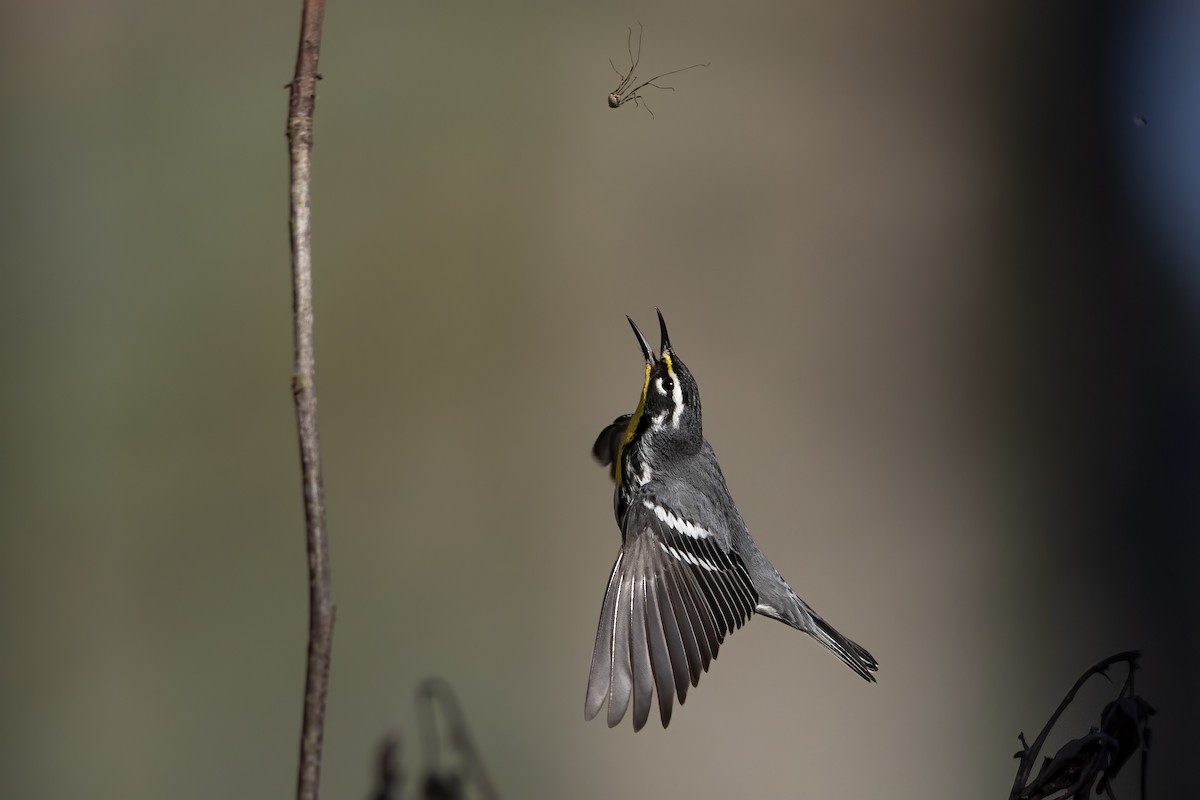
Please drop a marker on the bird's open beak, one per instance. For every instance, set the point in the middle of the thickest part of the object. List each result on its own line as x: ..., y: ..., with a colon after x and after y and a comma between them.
x: 647, y: 353
x: 662, y: 330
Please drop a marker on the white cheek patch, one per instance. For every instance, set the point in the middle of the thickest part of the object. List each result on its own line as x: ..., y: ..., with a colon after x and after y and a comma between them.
x: 677, y: 399
x: 658, y: 419
x: 676, y: 524
x: 676, y: 395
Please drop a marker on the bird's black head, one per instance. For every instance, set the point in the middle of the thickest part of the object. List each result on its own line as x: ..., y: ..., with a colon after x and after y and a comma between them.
x: 667, y: 419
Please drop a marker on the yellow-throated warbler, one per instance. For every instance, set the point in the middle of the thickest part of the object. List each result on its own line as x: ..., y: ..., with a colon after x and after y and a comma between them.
x: 688, y: 572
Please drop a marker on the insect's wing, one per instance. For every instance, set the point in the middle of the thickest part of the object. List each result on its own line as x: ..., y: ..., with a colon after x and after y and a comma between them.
x: 674, y: 594
x: 605, y: 448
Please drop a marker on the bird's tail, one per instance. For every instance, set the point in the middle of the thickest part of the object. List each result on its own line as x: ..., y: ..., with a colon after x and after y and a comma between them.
x: 854, y: 654
x: 782, y: 603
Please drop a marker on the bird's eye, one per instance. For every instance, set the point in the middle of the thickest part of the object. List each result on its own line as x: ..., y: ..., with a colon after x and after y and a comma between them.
x: 665, y: 384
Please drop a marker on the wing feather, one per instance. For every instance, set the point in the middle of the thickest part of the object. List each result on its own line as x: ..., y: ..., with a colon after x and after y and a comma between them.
x: 609, y: 441
x: 671, y: 601
x: 643, y: 672
x: 600, y: 677
x: 667, y: 659
x: 702, y: 617
x: 719, y: 599
x: 680, y: 656
x: 620, y: 686
x: 739, y: 594
x: 691, y: 630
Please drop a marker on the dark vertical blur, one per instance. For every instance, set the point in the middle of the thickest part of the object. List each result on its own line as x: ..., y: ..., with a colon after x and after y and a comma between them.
x: 1103, y: 355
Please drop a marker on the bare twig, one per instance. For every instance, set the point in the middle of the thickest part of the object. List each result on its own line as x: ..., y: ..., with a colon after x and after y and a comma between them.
x: 304, y: 390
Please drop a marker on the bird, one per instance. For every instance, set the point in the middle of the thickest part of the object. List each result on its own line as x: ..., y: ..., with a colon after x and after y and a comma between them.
x: 687, y: 574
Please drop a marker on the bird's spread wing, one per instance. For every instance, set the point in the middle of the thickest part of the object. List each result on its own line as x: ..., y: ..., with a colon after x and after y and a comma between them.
x: 675, y: 592
x: 609, y: 440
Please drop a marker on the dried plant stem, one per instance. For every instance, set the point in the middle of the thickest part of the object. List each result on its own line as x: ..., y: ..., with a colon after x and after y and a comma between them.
x: 1030, y: 754
x: 304, y: 390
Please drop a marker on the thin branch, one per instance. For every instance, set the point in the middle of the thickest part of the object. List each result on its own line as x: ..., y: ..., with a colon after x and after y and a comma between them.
x: 304, y: 391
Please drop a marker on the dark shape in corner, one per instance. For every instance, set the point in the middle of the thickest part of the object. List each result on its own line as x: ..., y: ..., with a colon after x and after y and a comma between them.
x: 1095, y: 758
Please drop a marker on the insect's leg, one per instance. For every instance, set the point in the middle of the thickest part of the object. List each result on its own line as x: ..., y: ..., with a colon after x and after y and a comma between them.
x: 640, y: 102
x: 634, y: 60
x: 651, y: 82
x: 627, y: 78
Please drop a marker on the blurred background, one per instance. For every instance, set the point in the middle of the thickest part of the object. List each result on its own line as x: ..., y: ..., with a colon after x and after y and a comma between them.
x: 936, y: 267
